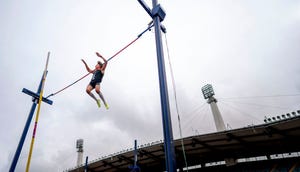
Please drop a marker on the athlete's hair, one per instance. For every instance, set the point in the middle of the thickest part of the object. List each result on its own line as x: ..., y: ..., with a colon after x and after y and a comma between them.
x: 99, y: 63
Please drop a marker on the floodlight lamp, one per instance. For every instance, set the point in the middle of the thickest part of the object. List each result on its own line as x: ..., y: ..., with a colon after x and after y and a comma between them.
x: 79, y: 143
x: 207, y: 91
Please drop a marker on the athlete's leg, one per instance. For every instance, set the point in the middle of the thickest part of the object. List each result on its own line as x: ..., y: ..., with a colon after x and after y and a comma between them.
x: 97, y: 88
x: 89, y: 89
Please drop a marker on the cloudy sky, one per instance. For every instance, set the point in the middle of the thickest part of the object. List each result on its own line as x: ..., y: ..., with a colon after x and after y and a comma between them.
x: 248, y: 50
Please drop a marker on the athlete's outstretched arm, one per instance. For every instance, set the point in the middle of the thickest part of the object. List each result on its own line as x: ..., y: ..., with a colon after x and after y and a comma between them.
x: 105, y: 61
x: 86, y: 66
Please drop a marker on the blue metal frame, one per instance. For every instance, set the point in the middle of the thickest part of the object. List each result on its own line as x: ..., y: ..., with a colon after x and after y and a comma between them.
x: 135, y: 167
x: 158, y: 14
x: 145, y: 6
x: 35, y: 97
x: 86, y: 164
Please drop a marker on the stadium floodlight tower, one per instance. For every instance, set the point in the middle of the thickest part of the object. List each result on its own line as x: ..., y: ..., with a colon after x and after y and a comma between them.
x: 208, y: 93
x: 79, y: 146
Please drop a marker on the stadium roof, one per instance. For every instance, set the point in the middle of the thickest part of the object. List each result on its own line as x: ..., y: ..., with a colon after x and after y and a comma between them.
x: 261, y: 140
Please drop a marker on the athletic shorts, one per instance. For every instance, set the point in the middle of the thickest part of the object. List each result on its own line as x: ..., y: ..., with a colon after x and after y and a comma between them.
x: 94, y: 83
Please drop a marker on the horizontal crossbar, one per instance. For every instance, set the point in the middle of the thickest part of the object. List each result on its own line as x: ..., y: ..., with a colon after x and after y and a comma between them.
x: 36, y: 96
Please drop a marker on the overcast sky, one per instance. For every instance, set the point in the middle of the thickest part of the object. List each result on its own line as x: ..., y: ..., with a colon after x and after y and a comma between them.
x: 248, y: 50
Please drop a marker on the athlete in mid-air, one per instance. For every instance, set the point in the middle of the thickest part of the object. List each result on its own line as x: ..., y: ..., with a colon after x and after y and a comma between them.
x: 98, y: 74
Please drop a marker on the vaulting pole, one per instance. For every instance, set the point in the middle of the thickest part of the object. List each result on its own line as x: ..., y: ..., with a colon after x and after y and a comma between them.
x: 37, y: 115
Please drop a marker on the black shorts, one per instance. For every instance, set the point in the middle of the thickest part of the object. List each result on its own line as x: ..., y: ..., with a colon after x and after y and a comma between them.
x: 94, y: 83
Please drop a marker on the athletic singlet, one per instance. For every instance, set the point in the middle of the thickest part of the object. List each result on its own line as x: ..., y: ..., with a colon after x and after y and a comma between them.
x: 97, y: 76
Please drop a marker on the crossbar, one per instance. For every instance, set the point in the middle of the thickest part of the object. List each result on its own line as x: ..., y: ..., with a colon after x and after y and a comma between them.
x: 36, y: 96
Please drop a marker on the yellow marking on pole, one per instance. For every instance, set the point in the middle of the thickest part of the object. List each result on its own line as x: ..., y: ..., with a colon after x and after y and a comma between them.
x: 37, y: 115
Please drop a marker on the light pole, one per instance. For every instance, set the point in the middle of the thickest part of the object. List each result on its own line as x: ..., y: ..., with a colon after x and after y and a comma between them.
x: 79, y: 146
x: 208, y: 93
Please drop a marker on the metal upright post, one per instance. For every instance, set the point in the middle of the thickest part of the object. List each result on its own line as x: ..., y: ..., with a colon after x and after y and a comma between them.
x: 158, y: 14
x: 135, y: 153
x: 35, y: 97
x: 25, y: 131
x: 86, y: 164
x: 165, y: 107
x: 135, y: 167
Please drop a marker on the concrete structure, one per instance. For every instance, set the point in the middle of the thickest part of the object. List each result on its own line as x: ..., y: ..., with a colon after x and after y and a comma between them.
x: 208, y: 93
x: 79, y: 146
